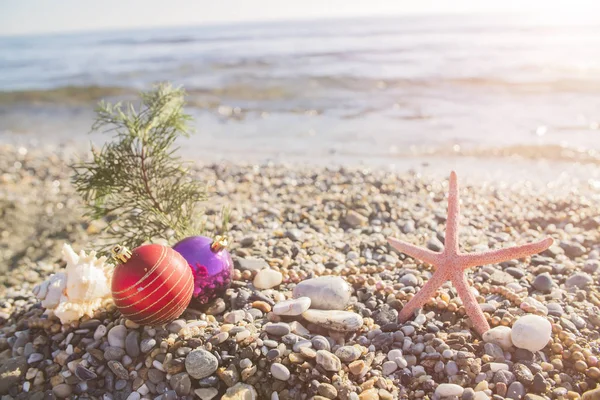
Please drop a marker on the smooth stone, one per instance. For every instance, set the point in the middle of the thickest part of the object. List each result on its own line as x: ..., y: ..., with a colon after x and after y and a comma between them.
x: 100, y: 332
x: 62, y: 390
x: 320, y: 343
x: 181, y: 383
x: 325, y: 292
x: 531, y: 332
x: 251, y: 264
x: 84, y: 374
x: 35, y: 357
x: 277, y: 328
x: 523, y: 374
x: 537, y: 304
x: 132, y: 344
x: 389, y: 367
x: 355, y: 219
x: 134, y: 396
x: 200, y: 363
x: 113, y: 353
x: 116, y: 336
x: 340, y: 321
x: 543, y: 282
x: 147, y: 345
x: 11, y: 372
x: 240, y: 391
x: 280, y: 371
x: 500, y: 335
x: 555, y: 309
x: 495, y: 367
x: 409, y: 280
x: 348, y: 353
x: 579, y: 280
x: 516, y: 391
x: 449, y: 389
x: 292, y: 306
x: 267, y: 279
x: 329, y: 362
x: 206, y: 393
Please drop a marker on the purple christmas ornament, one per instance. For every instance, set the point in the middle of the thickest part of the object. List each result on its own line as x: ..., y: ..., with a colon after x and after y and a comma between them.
x: 211, y: 266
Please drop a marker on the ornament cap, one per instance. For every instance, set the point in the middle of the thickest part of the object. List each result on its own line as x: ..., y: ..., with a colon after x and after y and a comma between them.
x: 219, y: 243
x: 121, y: 253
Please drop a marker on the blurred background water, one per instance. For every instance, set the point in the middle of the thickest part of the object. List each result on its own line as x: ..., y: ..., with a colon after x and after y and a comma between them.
x: 362, y: 90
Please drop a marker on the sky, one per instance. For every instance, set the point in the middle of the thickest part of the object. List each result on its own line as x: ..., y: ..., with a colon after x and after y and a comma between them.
x: 49, y: 16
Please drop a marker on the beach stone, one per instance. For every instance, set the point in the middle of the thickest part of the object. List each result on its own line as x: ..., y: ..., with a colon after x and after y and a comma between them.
x: 573, y: 249
x: 523, y: 374
x: 280, y: 371
x: 449, y: 389
x: 591, y: 266
x: 251, y: 264
x: 409, y: 280
x: 325, y: 292
x: 134, y: 396
x: 63, y: 390
x: 328, y: 391
x: 113, y: 353
x: 555, y: 309
x: 267, y: 279
x: 531, y: 332
x: 355, y: 219
x: 240, y: 391
x: 292, y: 307
x: 348, y: 353
x: 339, y: 321
x: 434, y: 244
x: 277, y: 328
x: 132, y: 344
x: 116, y: 336
x: 543, y: 282
x: 579, y: 280
x: 206, y: 393
x: 500, y: 335
x: 155, y: 376
x: 11, y: 372
x: 118, y: 369
x: 593, y: 394
x: 389, y: 367
x: 329, y: 362
x: 100, y: 332
x: 147, y: 344
x: 176, y: 326
x: 320, y: 343
x: 539, y: 384
x: 181, y: 383
x: 200, y: 363
x: 535, y: 303
x: 516, y: 391
x: 35, y: 357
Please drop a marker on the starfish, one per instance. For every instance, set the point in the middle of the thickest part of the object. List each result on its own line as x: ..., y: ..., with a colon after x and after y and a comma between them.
x: 451, y: 264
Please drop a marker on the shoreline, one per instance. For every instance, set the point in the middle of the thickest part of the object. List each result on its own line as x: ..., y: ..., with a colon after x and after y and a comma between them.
x: 295, y: 220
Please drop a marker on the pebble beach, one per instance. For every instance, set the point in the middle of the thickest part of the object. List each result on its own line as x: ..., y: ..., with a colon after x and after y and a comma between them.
x: 312, y: 310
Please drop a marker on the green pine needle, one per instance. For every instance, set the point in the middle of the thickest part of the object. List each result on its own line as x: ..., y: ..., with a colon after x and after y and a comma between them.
x: 136, y: 182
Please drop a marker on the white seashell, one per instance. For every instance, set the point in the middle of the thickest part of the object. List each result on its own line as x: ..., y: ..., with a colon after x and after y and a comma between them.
x: 83, y: 287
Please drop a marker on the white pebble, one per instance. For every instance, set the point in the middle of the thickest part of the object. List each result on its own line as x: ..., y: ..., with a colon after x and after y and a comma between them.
x: 531, y: 332
x: 500, y: 335
x: 116, y: 336
x: 292, y: 307
x: 280, y: 371
x: 389, y: 367
x: 267, y: 279
x: 449, y: 389
x: 158, y: 365
x: 325, y: 292
x: 100, y: 332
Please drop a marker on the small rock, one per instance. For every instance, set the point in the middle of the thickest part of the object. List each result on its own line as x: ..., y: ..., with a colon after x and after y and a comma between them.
x: 280, y: 371
x: 267, y: 279
x: 326, y: 292
x: 579, y: 280
x: 543, y: 282
x: 132, y: 344
x: 240, y: 391
x: 147, y: 345
x: 63, y: 390
x: 449, y: 389
x: 206, y: 393
x: 328, y: 361
x: 116, y: 336
x: 277, y: 328
x: 327, y: 390
x: 348, y: 353
x: 531, y: 332
x: 516, y: 391
x: 181, y: 383
x: 118, y: 369
x: 500, y: 335
x: 251, y: 264
x: 355, y: 219
x: 200, y: 363
x: 435, y: 244
x: 292, y: 306
x: 340, y: 321
x: 389, y: 367
x: 113, y: 353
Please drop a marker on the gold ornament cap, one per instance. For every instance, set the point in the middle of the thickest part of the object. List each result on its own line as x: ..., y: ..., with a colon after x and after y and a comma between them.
x: 121, y: 253
x: 219, y: 243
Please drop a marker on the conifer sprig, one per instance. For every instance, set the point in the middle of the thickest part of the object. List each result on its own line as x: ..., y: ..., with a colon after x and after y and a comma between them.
x: 136, y: 182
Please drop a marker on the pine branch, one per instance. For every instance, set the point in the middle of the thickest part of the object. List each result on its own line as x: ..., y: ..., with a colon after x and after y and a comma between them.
x: 136, y: 182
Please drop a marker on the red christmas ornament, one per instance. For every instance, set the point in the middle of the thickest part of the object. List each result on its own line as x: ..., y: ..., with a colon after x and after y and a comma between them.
x: 152, y: 285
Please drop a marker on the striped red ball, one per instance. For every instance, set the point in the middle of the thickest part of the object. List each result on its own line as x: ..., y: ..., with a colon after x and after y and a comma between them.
x: 153, y: 285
